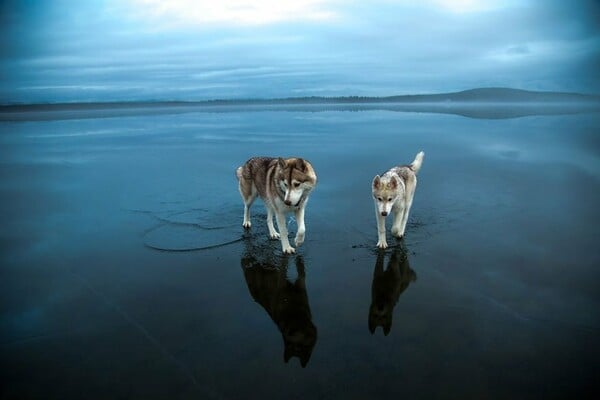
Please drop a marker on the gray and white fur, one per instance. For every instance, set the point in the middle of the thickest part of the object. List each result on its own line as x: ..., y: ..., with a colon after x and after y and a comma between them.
x: 284, y: 186
x: 393, y: 192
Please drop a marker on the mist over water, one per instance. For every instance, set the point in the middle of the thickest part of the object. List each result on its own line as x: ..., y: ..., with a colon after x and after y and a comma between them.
x: 127, y: 273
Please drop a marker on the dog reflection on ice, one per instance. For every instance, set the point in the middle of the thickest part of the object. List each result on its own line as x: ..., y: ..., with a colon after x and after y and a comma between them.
x: 387, y: 287
x: 284, y: 300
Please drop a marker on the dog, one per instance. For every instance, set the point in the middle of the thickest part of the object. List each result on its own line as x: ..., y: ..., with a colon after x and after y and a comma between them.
x: 284, y: 187
x: 394, y: 192
x: 387, y: 287
x: 285, y: 301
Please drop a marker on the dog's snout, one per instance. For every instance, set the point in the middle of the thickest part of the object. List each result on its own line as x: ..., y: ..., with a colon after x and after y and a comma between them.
x: 384, y: 213
x: 287, y: 202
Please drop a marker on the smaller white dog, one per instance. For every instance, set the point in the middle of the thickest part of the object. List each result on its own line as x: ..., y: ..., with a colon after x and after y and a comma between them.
x: 394, y: 192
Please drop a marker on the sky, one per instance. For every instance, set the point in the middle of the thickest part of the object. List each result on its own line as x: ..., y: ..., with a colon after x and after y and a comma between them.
x: 121, y: 50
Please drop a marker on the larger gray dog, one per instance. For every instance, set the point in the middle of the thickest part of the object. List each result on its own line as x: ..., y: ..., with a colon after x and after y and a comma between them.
x: 284, y: 186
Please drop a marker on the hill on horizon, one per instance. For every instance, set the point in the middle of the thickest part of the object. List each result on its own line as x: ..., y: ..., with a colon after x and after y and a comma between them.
x: 500, y: 94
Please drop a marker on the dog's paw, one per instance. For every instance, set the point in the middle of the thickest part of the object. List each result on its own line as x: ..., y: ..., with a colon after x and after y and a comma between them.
x: 299, y: 238
x: 382, y: 244
x: 247, y: 224
x: 289, y: 250
x: 274, y: 235
x: 397, y: 235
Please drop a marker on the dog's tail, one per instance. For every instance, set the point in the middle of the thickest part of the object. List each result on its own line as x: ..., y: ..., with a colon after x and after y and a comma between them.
x: 416, y: 164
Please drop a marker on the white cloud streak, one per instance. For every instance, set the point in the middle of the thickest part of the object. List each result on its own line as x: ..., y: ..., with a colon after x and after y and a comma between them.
x: 236, y: 12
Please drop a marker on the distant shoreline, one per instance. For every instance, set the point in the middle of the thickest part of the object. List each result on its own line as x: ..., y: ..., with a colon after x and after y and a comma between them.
x: 476, y: 103
x: 488, y: 96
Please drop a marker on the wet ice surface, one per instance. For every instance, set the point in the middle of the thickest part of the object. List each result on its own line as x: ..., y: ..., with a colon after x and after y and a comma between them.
x: 126, y: 272
x: 188, y: 230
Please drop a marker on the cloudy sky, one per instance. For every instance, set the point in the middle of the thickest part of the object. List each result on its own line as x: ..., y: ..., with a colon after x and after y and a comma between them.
x: 55, y: 51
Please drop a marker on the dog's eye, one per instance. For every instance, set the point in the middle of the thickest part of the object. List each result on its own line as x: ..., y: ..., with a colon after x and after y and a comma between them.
x: 380, y: 199
x: 390, y: 199
x: 296, y: 184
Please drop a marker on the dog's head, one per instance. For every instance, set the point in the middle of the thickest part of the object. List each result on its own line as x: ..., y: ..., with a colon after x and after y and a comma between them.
x: 299, y: 338
x: 380, y: 314
x: 385, y: 193
x: 296, y: 178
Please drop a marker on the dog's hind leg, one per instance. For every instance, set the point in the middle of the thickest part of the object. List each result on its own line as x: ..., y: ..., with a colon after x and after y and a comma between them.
x: 272, y: 232
x: 249, y: 193
x: 399, y: 212
x: 409, y: 201
x: 405, y: 219
x: 247, y: 203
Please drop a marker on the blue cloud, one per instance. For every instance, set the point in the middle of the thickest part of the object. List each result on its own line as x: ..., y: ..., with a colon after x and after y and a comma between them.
x: 109, y: 50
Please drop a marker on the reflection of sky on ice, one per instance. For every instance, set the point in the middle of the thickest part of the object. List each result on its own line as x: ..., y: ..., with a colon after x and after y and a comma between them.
x: 115, y: 50
x: 502, y: 237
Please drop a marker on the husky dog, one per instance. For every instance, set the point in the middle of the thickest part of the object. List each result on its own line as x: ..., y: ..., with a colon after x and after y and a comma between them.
x: 284, y: 186
x: 394, y: 191
x: 387, y: 287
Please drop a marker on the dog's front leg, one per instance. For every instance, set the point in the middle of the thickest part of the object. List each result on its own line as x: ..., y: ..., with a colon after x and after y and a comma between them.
x: 283, y: 233
x: 382, y: 242
x: 272, y: 232
x: 301, y: 228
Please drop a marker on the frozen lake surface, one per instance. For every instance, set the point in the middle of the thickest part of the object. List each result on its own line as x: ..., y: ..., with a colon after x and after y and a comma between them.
x: 126, y: 272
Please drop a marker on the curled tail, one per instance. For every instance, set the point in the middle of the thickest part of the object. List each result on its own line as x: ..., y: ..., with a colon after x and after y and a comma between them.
x: 416, y: 164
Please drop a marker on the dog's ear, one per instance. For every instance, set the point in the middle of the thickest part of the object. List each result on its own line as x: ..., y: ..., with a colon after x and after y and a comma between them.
x: 372, y: 326
x: 304, y: 357
x: 376, y: 182
x: 301, y: 164
x: 387, y: 327
x: 281, y: 162
x: 287, y: 354
x: 393, y: 183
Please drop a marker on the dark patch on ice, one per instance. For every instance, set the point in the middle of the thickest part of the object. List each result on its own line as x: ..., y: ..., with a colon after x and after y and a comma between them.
x: 396, y: 244
x: 261, y: 251
x: 257, y: 240
x: 416, y: 232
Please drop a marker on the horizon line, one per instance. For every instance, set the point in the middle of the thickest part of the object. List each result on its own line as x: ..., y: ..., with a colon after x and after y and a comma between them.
x: 353, y: 98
